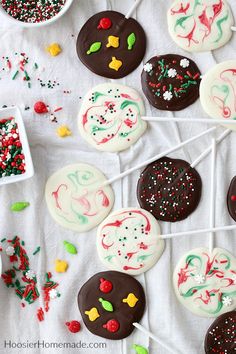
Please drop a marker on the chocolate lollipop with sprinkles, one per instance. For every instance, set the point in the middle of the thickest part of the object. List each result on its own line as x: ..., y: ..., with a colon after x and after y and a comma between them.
x: 221, y: 336
x: 170, y: 189
x: 171, y: 82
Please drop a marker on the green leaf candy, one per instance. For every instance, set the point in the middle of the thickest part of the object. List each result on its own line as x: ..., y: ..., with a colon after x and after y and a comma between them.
x: 18, y: 206
x: 106, y: 305
x: 139, y: 349
x: 95, y: 47
x: 70, y: 248
x: 131, y: 40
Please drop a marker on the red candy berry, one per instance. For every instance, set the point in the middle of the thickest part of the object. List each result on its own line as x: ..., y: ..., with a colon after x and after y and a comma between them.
x: 112, y: 326
x: 40, y: 107
x: 105, y: 23
x: 105, y: 286
x: 233, y: 198
x: 73, y: 326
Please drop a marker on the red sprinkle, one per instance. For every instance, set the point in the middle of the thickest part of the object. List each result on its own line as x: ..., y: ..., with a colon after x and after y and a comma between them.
x: 233, y: 198
x: 105, y: 23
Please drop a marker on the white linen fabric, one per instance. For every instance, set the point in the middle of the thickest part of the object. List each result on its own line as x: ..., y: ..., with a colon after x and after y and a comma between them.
x: 164, y: 316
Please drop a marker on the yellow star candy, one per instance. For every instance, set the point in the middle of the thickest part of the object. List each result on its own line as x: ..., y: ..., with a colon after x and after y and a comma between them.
x: 92, y: 314
x: 63, y: 131
x: 113, y: 42
x: 54, y: 49
x: 115, y: 64
x: 131, y: 300
x: 61, y: 266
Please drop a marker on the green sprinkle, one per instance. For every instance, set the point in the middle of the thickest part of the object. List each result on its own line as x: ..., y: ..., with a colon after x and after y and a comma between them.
x: 15, y: 75
x: 3, y: 239
x: 36, y: 251
x: 36, y: 66
x: 19, y: 206
x: 70, y: 248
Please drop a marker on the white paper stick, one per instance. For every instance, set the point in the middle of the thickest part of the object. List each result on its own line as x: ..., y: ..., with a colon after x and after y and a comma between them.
x: 190, y: 120
x: 201, y: 231
x: 212, y: 195
x: 132, y: 9
x: 157, y: 340
x: 208, y: 150
x: 156, y: 157
x: 233, y: 28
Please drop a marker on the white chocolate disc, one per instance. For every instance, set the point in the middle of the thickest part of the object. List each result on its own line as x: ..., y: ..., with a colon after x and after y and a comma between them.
x: 128, y: 240
x: 206, y: 284
x: 218, y: 92
x: 200, y: 25
x: 110, y: 117
x: 76, y: 199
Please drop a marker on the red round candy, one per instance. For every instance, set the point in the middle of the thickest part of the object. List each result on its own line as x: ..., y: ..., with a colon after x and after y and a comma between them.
x: 105, y: 23
x: 112, y: 326
x: 105, y: 286
x: 233, y: 198
x: 73, y: 326
x: 40, y: 107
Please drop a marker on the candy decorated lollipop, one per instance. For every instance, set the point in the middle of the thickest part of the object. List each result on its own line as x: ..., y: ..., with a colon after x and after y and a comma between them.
x: 221, y: 336
x: 171, y: 82
x: 218, y: 92
x: 198, y: 26
x: 76, y: 199
x: 170, y: 189
x: 128, y: 240
x: 110, y: 302
x: 111, y: 45
x: 110, y: 117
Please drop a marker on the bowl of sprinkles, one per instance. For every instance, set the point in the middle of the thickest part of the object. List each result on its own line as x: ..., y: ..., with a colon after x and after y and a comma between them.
x: 15, y: 159
x: 34, y: 13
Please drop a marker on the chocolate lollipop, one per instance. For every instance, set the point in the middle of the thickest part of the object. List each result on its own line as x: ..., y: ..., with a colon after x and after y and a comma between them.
x: 221, y: 336
x: 171, y: 82
x: 231, y: 199
x: 170, y: 189
x: 111, y: 45
x: 110, y: 302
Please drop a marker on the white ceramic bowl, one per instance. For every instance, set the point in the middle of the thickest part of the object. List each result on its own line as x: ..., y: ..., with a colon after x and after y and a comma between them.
x: 38, y: 24
x: 29, y: 172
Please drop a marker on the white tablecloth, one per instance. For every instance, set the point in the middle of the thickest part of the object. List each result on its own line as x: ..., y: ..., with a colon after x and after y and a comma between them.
x: 165, y: 317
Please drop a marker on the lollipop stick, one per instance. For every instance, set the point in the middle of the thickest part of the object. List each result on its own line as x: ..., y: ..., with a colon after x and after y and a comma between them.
x: 201, y: 231
x: 132, y: 9
x: 150, y: 335
x: 190, y: 120
x: 208, y: 150
x: 156, y: 157
x: 233, y: 28
x: 213, y: 187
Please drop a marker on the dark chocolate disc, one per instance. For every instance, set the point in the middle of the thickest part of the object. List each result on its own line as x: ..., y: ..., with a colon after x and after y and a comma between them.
x: 231, y: 198
x: 221, y: 336
x: 111, y: 45
x: 170, y: 189
x: 110, y: 302
x: 171, y: 82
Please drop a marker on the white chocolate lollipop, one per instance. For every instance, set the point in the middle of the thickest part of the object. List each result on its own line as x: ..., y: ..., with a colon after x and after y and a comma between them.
x: 76, y: 199
x: 200, y: 25
x: 128, y: 240
x: 206, y: 283
x: 218, y: 92
x: 110, y: 117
